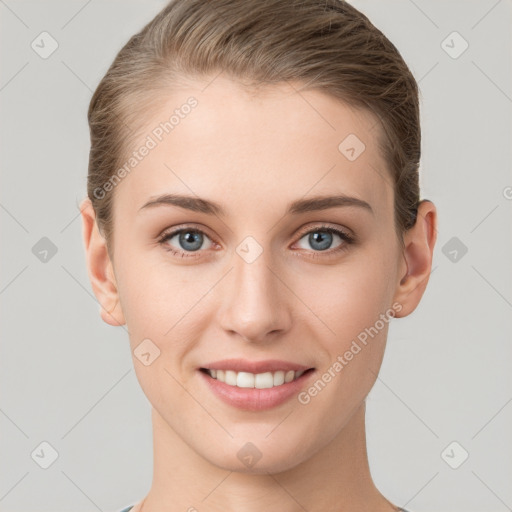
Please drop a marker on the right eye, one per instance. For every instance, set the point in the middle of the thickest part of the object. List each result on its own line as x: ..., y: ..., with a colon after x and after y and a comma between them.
x: 188, y: 240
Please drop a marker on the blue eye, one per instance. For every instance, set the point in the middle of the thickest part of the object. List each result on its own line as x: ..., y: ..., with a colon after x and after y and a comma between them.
x: 188, y: 239
x: 321, y: 238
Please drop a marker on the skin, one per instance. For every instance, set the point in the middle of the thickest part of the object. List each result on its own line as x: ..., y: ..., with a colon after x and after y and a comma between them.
x: 254, y: 152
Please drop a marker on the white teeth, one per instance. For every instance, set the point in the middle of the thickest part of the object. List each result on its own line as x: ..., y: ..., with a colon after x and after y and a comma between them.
x: 264, y: 380
x: 251, y: 380
x: 230, y: 377
x: 245, y: 380
x: 290, y: 375
x: 278, y: 378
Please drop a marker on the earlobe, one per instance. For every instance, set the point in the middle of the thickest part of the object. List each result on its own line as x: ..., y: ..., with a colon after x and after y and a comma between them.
x: 99, y: 267
x: 419, y: 247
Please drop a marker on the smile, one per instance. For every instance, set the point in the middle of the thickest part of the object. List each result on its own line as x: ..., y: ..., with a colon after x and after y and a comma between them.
x: 254, y: 380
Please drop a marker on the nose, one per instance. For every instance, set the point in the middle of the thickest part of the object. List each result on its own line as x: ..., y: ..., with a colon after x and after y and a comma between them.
x: 254, y: 301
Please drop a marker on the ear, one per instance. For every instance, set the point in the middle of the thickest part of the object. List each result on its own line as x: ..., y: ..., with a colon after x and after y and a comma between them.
x: 419, y: 244
x: 99, y: 267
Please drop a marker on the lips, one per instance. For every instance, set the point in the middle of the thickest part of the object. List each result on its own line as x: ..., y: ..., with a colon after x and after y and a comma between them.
x: 244, y: 365
x: 255, y: 391
x: 257, y: 398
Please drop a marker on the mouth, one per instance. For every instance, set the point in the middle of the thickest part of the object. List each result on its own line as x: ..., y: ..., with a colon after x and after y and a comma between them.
x: 256, y: 392
x: 255, y: 385
x: 263, y: 380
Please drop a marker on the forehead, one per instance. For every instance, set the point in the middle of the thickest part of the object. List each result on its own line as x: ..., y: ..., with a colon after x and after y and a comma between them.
x: 246, y: 147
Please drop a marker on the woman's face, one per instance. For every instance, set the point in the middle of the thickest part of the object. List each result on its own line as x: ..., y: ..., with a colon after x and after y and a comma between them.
x: 259, y: 280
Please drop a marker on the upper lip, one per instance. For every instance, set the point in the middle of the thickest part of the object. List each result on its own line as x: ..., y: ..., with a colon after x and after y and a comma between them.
x: 243, y: 365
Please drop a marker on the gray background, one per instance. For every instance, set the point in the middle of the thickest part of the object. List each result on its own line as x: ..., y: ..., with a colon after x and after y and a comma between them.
x: 67, y: 378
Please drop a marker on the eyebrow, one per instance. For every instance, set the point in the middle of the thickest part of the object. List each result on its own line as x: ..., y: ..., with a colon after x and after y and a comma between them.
x: 197, y: 204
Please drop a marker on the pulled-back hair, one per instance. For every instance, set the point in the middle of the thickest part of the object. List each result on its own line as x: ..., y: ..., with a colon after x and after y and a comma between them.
x: 325, y: 45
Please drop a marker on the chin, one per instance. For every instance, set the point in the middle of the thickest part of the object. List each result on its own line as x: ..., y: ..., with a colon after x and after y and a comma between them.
x: 261, y: 467
x: 258, y: 458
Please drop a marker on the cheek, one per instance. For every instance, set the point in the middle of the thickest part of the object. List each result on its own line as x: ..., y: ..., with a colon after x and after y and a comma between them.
x: 158, y: 306
x: 350, y: 298
x: 350, y: 304
x: 161, y: 302
x: 151, y: 292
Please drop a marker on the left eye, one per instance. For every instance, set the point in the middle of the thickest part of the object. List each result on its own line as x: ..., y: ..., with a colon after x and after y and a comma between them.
x: 320, y: 239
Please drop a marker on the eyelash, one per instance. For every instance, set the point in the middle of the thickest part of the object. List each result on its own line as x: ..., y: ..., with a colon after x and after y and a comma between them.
x: 348, y: 240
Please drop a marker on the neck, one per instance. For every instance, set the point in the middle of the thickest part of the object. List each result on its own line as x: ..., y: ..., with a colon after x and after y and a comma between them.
x: 337, y: 477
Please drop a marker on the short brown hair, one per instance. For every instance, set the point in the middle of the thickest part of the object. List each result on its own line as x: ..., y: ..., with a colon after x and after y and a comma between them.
x: 326, y: 45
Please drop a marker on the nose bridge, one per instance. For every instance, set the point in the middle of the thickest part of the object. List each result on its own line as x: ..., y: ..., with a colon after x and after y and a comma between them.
x: 253, y: 303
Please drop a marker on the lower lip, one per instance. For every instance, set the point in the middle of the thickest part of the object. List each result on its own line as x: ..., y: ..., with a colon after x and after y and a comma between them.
x: 253, y: 399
